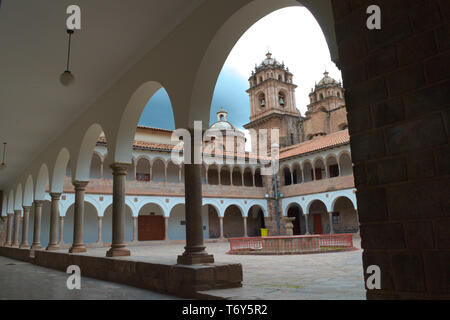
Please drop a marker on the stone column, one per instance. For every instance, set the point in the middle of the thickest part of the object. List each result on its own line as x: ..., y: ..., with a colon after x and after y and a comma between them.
x: 26, y: 219
x: 78, y: 217
x: 101, y: 169
x: 16, y: 230
x: 8, y: 242
x: 99, y: 229
x: 306, y: 224
x: 195, y: 252
x: 245, y: 227
x: 330, y: 215
x: 37, y: 225
x: 54, y: 215
x: 135, y: 221
x: 166, y: 228
x: 221, y: 227
x: 61, y: 231
x: 242, y: 178
x: 118, y: 246
x: 179, y: 174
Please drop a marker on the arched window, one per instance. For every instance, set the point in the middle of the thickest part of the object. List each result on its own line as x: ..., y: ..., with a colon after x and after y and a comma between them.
x: 262, y: 100
x: 282, y: 98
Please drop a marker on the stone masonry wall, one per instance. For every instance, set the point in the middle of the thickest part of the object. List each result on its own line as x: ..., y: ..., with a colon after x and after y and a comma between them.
x: 397, y: 93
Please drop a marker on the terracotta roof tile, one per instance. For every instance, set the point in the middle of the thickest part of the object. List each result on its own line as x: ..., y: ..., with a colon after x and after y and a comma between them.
x: 321, y: 143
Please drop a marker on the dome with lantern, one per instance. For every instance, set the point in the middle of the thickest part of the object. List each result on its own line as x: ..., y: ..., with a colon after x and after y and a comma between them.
x: 327, y: 81
x: 227, y: 129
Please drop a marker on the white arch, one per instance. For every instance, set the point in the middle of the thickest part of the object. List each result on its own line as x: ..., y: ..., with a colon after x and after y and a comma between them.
x: 4, y: 204
x: 227, y: 33
x: 130, y: 118
x: 59, y: 170
x: 28, y: 196
x: 41, y: 183
x: 83, y: 164
x: 11, y: 202
x: 18, y: 200
x: 293, y: 203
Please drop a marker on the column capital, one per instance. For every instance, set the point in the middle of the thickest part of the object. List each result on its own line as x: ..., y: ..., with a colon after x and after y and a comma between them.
x: 80, y: 185
x: 17, y: 211
x: 55, y: 195
x: 99, y: 217
x: 26, y: 208
x: 120, y: 168
x: 38, y: 203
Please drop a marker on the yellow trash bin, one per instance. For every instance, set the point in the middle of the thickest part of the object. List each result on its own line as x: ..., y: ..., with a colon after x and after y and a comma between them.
x: 264, y: 232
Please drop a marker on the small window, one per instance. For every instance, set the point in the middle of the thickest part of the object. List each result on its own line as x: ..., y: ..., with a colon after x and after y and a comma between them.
x: 336, y: 217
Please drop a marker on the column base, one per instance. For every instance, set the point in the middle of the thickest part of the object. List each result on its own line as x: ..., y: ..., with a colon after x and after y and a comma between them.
x: 7, y: 244
x: 15, y: 245
x: 193, y: 258
x: 52, y: 247
x: 77, y: 249
x: 24, y: 246
x: 118, y: 252
x: 36, y: 246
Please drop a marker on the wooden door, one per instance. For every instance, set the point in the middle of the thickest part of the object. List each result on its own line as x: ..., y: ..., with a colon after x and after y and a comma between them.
x: 151, y: 228
x: 317, y: 223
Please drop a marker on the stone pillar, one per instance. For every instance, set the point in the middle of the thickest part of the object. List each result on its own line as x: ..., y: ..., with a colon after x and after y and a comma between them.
x: 118, y: 246
x: 242, y: 178
x: 26, y: 219
x: 9, y: 230
x: 179, y: 174
x: 16, y: 230
x: 330, y: 215
x: 54, y: 215
x: 245, y: 227
x: 78, y: 217
x: 61, y: 231
x: 37, y: 225
x: 166, y: 228
x: 306, y: 224
x: 195, y: 252
x: 99, y: 229
x: 101, y: 169
x: 135, y: 222
x: 221, y: 227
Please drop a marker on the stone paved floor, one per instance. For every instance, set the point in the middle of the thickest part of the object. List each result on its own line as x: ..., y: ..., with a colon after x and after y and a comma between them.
x: 22, y: 281
x: 314, y: 276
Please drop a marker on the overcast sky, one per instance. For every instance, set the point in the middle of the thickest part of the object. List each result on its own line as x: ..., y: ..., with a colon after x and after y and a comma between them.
x: 292, y: 35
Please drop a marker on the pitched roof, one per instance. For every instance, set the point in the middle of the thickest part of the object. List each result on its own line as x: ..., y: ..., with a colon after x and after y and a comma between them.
x: 331, y: 140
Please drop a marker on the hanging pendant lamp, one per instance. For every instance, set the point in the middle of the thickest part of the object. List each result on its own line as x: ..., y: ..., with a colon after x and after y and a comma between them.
x: 3, y: 164
x: 67, y: 77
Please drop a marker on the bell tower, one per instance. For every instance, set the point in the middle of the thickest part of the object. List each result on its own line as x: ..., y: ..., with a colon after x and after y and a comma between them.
x: 272, y: 101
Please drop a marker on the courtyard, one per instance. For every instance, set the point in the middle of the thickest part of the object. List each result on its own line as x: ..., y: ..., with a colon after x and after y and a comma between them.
x: 287, y: 277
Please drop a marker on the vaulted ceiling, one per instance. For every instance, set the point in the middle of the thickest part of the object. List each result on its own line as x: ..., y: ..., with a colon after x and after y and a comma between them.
x: 114, y: 35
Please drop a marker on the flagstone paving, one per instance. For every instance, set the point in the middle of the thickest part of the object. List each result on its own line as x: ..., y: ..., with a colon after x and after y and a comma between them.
x: 336, y: 275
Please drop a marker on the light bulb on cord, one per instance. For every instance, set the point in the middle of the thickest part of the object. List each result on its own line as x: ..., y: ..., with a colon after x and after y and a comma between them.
x: 3, y: 164
x: 67, y: 78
